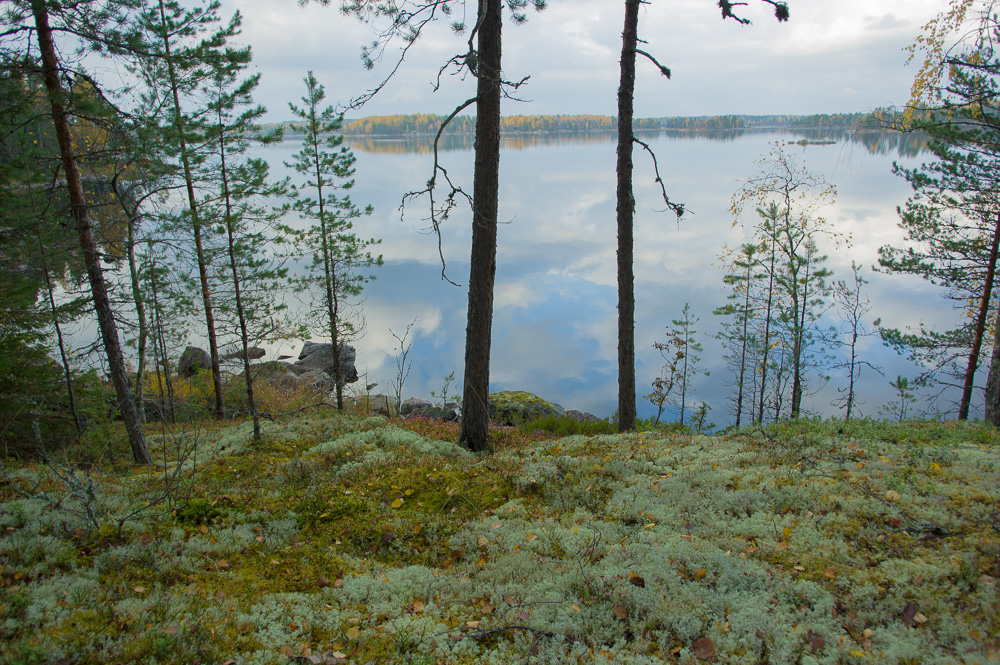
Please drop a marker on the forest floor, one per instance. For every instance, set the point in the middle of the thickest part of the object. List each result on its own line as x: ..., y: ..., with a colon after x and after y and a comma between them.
x: 344, y: 539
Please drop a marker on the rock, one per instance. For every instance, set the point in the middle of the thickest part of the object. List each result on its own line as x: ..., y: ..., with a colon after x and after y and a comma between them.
x: 192, y: 360
x: 382, y: 405
x: 253, y: 353
x: 518, y: 407
x: 413, y: 404
x: 315, y: 363
x: 581, y: 416
x: 277, y: 373
x: 422, y: 408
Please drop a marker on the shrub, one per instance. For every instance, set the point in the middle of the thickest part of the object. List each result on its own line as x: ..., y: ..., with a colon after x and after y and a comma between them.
x: 563, y: 426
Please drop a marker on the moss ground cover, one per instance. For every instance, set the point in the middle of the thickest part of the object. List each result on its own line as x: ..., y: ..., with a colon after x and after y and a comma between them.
x: 363, y: 540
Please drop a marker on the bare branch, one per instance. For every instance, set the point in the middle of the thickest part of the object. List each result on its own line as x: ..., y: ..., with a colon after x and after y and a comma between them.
x: 440, y: 215
x: 677, y: 208
x: 663, y: 70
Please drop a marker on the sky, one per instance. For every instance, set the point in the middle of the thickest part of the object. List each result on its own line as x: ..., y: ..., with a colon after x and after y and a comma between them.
x: 830, y: 57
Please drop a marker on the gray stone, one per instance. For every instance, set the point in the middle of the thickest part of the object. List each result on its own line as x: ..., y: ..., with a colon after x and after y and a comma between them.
x: 414, y: 404
x: 192, y: 360
x: 253, y: 353
x: 581, y: 416
x: 518, y: 407
x: 382, y: 405
x: 277, y: 373
x: 316, y: 359
x: 416, y: 407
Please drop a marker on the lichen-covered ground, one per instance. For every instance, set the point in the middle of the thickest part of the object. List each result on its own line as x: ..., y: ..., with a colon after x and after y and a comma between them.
x: 342, y: 539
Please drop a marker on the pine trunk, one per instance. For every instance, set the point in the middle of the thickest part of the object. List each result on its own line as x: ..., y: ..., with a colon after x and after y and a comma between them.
x: 485, y: 206
x: 981, y: 318
x: 206, y: 292
x: 626, y: 210
x: 91, y: 255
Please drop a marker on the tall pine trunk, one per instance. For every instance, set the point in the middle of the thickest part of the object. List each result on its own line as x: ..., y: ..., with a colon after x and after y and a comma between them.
x: 626, y: 210
x: 206, y: 292
x: 977, y: 339
x: 485, y: 208
x: 237, y: 290
x: 91, y: 255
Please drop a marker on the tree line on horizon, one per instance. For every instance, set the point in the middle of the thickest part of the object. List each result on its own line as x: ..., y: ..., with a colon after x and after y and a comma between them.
x: 429, y: 123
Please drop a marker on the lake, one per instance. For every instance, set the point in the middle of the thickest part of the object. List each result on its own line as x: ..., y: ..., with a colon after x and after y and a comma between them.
x: 555, y: 317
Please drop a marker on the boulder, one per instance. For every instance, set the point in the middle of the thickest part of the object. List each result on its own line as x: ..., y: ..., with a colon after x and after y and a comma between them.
x: 315, y: 363
x: 253, y: 353
x: 382, y: 405
x: 192, y: 360
x: 518, y: 407
x: 277, y: 373
x: 423, y: 408
x: 581, y: 416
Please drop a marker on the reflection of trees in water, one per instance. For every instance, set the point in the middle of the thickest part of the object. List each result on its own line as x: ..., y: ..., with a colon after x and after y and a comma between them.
x: 875, y: 141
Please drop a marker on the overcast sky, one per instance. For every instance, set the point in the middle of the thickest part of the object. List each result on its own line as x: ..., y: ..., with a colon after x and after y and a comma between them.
x: 832, y: 56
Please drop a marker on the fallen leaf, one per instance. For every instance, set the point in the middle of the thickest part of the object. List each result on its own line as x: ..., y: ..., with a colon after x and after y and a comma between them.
x: 700, y: 573
x: 524, y: 616
x: 472, y: 624
x: 893, y: 495
x: 787, y: 533
x: 203, y: 529
x: 497, y: 524
x: 322, y: 582
x: 338, y: 654
x: 337, y: 583
x: 636, y: 580
x: 397, y: 503
x: 418, y: 606
x: 816, y: 641
x: 352, y: 633
x: 919, y: 618
x: 575, y: 607
x: 620, y: 611
x: 483, y: 541
x: 530, y: 537
x: 139, y: 589
x: 830, y: 572
x: 909, y: 614
x: 486, y: 608
x: 224, y: 564
x: 703, y: 648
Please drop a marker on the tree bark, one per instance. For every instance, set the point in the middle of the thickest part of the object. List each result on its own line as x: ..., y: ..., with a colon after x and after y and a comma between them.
x: 485, y: 206
x: 977, y: 339
x: 625, y: 212
x: 91, y: 256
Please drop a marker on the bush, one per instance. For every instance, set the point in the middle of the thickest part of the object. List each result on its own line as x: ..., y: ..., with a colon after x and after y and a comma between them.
x: 563, y: 426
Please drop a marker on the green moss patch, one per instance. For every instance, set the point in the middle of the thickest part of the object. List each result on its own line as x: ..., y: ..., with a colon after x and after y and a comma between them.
x: 359, y: 540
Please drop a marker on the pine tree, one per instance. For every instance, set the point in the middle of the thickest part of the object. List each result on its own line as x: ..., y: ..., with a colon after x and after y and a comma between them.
x: 244, y: 210
x: 58, y: 99
x: 952, y: 222
x: 182, y: 41
x: 326, y: 166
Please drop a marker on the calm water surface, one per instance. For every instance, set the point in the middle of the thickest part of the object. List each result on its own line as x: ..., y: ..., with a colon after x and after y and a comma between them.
x: 555, y: 318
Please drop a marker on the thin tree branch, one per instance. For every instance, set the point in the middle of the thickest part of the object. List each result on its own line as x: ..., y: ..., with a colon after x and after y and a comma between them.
x: 663, y: 70
x: 677, y: 208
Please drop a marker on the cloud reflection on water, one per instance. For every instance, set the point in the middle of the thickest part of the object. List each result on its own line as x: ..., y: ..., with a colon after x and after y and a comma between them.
x: 555, y: 317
